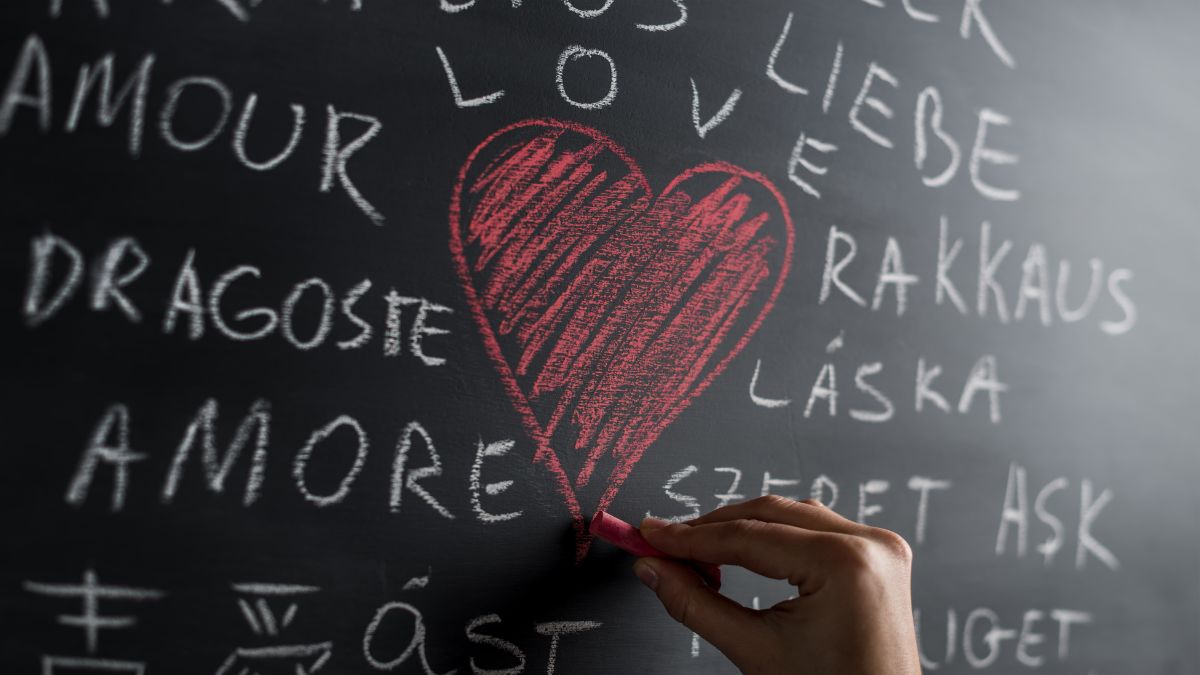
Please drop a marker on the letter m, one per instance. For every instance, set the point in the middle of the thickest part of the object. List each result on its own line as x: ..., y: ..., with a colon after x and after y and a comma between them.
x: 202, y: 430
x: 100, y: 76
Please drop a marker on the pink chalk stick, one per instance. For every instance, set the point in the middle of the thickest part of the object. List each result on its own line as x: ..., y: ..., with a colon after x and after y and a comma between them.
x: 627, y: 538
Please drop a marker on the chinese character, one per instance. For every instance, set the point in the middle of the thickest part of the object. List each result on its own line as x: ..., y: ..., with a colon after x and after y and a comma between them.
x: 294, y: 659
x: 91, y: 621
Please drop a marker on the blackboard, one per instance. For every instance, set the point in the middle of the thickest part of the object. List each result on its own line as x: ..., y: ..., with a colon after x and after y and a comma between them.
x: 326, y: 324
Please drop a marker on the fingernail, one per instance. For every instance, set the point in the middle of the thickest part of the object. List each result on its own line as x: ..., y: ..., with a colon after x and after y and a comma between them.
x: 653, y: 524
x: 646, y: 573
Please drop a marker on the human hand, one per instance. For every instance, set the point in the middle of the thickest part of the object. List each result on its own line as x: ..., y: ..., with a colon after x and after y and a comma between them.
x: 852, y: 613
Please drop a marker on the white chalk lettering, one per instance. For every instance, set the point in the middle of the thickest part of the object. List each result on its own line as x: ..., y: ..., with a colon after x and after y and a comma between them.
x: 720, y: 116
x: 411, y: 482
x: 951, y: 640
x: 167, y: 117
x: 818, y: 490
x: 420, y: 329
x: 687, y: 500
x: 33, y: 55
x: 557, y: 629
x: 827, y: 391
x: 988, y: 262
x: 917, y: 14
x: 186, y: 296
x: 771, y: 72
x: 494, y: 449
x: 731, y: 494
x: 871, y: 487
x: 980, y: 153
x: 1015, y: 511
x: 243, y: 129
x: 1089, y: 510
x: 364, y: 328
x: 886, y: 409
x: 573, y: 53
x: 36, y: 307
x: 663, y: 27
x: 1054, y: 543
x: 924, y: 486
x: 1028, y: 638
x: 324, y: 323
x: 475, y: 637
x: 891, y: 273
x: 132, y: 92
x: 944, y: 287
x: 1065, y: 313
x: 100, y: 5
x: 113, y: 451
x: 797, y: 159
x: 973, y: 14
x: 214, y: 307
x: 459, y: 101
x: 302, y: 457
x: 993, y: 638
x: 337, y: 155
x: 217, y: 466
x: 760, y: 400
x: 925, y: 390
x: 1127, y: 307
x: 831, y: 276
x: 108, y: 285
x: 1035, y: 285
x: 1066, y: 618
x: 769, y: 484
x: 873, y: 71
x: 983, y: 378
x: 588, y: 13
x: 920, y: 145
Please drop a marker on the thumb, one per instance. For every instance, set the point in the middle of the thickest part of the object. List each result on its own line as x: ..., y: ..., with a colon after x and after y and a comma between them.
x: 735, y: 630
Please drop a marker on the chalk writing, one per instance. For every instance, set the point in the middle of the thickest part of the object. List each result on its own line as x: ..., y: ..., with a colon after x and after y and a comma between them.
x: 513, y: 271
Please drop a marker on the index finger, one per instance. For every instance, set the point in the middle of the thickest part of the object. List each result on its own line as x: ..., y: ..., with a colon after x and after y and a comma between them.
x: 809, y: 514
x: 771, y: 549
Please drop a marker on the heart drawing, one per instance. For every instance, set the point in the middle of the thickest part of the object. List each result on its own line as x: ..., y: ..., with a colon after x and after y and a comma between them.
x: 607, y: 308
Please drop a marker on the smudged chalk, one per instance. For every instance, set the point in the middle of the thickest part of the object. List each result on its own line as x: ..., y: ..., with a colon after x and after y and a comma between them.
x: 627, y: 538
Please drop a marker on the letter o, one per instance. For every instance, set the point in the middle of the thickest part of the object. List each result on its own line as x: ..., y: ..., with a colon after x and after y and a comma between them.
x: 301, y: 462
x: 289, y: 304
x: 573, y: 53
x: 168, y: 112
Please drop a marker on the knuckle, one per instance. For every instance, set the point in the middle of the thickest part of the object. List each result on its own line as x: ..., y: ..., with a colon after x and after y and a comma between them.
x: 851, y: 554
x: 894, y: 544
x: 812, y: 502
x: 678, y: 603
x: 747, y: 528
x: 771, y: 501
x: 869, y: 559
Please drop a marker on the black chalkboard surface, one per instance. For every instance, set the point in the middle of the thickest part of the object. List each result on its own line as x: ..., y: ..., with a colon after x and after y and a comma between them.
x: 327, y: 324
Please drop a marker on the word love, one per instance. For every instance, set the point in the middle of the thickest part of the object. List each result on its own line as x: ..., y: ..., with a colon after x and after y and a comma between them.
x: 310, y: 314
x: 340, y: 448
x: 937, y: 154
x: 31, y: 88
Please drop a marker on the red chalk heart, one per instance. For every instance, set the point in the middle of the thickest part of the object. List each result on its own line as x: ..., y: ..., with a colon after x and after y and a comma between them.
x: 606, y: 308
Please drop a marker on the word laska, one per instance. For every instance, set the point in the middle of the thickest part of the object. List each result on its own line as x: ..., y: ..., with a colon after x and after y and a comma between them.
x: 607, y: 308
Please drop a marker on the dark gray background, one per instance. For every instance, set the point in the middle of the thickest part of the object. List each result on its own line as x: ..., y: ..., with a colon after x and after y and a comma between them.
x: 1103, y: 101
